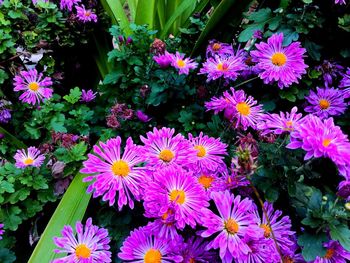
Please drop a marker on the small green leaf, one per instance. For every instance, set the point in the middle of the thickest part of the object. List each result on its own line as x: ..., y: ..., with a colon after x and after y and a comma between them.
x: 312, y: 245
x: 74, y: 95
x: 342, y: 234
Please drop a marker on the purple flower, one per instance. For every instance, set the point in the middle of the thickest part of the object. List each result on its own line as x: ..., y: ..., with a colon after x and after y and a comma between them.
x: 163, y: 60
x: 29, y: 157
x: 34, y: 86
x: 87, y: 95
x: 68, y: 4
x: 85, y: 15
x: 181, y: 63
x: 283, y: 65
x: 114, y: 173
x: 260, y: 251
x: 142, y: 246
x: 335, y: 253
x: 217, y: 48
x: 345, y: 83
x: 142, y: 116
x: 90, y: 244
x: 344, y: 190
x: 329, y: 70
x: 164, y: 227
x: 229, y: 181
x: 5, y: 115
x: 2, y: 231
x: 340, y: 2
x: 194, y: 250
x: 279, y: 123
x: 258, y: 34
x: 326, y: 102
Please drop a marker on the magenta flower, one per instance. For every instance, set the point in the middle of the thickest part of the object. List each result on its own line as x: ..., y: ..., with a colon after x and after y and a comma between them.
x: 335, y: 253
x: 217, y: 48
x: 208, y: 180
x: 141, y: 246
x: 163, y: 149
x: 279, y: 123
x: 283, y: 65
x: 2, y: 231
x: 330, y: 70
x: 85, y: 15
x: 142, y: 116
x: 235, y: 222
x: 34, y: 86
x: 227, y: 67
x: 163, y: 60
x: 229, y: 181
x: 340, y: 2
x: 5, y: 115
x: 115, y: 174
x: 194, y: 250
x: 174, y: 190
x: 87, y: 95
x: 181, y: 63
x: 345, y: 83
x: 164, y: 227
x: 260, y: 251
x: 30, y: 157
x: 344, y: 190
x: 210, y: 153
x: 68, y: 4
x: 89, y: 245
x: 326, y: 102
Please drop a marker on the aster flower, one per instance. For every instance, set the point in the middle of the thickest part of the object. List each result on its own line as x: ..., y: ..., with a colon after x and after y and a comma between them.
x: 194, y: 250
x: 345, y: 83
x: 91, y: 244
x: 181, y: 63
x: 209, y: 181
x: 210, y: 152
x: 29, y: 157
x: 177, y: 190
x: 164, y: 227
x: 5, y: 115
x: 335, y: 253
x: 344, y: 189
x: 279, y: 123
x: 2, y: 231
x: 85, y: 15
x: 285, y: 65
x: 115, y: 174
x: 142, y: 116
x: 227, y: 67
x: 329, y: 71
x: 87, y: 95
x: 34, y: 86
x: 229, y: 181
x: 163, y: 60
x: 326, y: 102
x: 68, y: 4
x: 340, y: 2
x: 217, y: 48
x: 141, y: 246
x: 235, y: 222
x: 163, y: 149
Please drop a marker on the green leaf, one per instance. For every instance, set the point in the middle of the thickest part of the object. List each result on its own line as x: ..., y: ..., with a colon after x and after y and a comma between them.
x: 146, y: 12
x: 7, y: 256
x: 57, y: 123
x: 12, y: 139
x: 313, y: 50
x: 312, y: 245
x: 74, y: 95
x: 112, y: 78
x: 342, y: 234
x: 116, y: 12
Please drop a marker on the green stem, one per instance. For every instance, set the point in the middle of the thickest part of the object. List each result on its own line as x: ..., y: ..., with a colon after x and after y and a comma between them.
x: 246, y: 81
x: 12, y: 139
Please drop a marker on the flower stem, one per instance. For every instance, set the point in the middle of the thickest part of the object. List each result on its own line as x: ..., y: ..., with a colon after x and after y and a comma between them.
x: 246, y: 81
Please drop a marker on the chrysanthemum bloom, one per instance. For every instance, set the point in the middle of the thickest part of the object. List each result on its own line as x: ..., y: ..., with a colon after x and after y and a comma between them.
x: 181, y: 63
x: 335, y: 253
x: 68, y: 4
x: 345, y: 83
x: 216, y: 48
x: 291, y: 256
x: 2, y: 231
x: 285, y: 65
x: 218, y: 104
x: 141, y: 246
x: 87, y: 95
x: 235, y: 222
x: 115, y: 174
x: 142, y: 116
x: 210, y: 152
x: 329, y: 71
x: 29, y: 157
x: 279, y: 123
x: 163, y: 60
x: 177, y: 190
x: 164, y: 227
x: 208, y: 180
x: 194, y: 250
x: 90, y: 245
x: 34, y: 86
x: 5, y: 115
x: 326, y: 102
x: 163, y: 149
x: 340, y: 2
x: 85, y: 15
x: 229, y: 180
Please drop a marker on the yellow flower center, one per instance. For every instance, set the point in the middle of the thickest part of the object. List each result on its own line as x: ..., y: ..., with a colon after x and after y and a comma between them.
x: 166, y: 155
x: 222, y: 67
x: 82, y: 251
x: 166, y: 214
x: 326, y: 142
x: 28, y: 161
x: 279, y: 59
x: 289, y: 123
x: 329, y: 253
x: 216, y: 46
x: 192, y: 260
x: 201, y: 150
x: 324, y: 104
x: 267, y: 230
x: 287, y: 259
x: 180, y: 63
x: 33, y: 86
x: 231, y: 226
x: 243, y: 108
x: 205, y: 180
x: 87, y: 13
x: 178, y: 196
x: 120, y: 168
x: 153, y: 256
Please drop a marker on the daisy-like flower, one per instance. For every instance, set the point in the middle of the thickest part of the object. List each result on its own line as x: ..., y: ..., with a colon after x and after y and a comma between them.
x: 5, y: 115
x: 326, y: 102
x: 115, y: 174
x: 208, y: 180
x: 177, y: 190
x: 90, y: 245
x: 2, y: 231
x: 34, y: 86
x: 285, y: 65
x: 163, y: 149
x: 235, y: 222
x: 85, y: 15
x: 163, y: 60
x: 68, y: 4
x: 229, y: 181
x: 144, y: 247
x: 227, y: 67
x: 194, y: 250
x: 329, y: 70
x: 164, y: 227
x: 181, y: 63
x: 335, y: 253
x: 345, y: 83
x: 216, y: 48
x: 87, y: 95
x: 344, y: 189
x: 279, y: 123
x: 29, y: 157
x: 210, y: 152
x: 142, y: 116
x: 340, y: 2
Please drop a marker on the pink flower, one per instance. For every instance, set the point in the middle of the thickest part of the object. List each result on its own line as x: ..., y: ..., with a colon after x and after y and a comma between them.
x: 181, y: 63
x: 85, y: 15
x: 30, y: 157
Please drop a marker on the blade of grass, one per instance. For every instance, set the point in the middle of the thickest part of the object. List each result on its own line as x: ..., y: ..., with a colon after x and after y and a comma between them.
x: 132, y: 4
x: 115, y: 10
x: 146, y: 12
x: 12, y: 139
x: 203, y: 4
x: 161, y: 14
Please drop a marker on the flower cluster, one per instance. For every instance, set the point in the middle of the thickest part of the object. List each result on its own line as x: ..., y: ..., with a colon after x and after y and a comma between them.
x: 177, y: 60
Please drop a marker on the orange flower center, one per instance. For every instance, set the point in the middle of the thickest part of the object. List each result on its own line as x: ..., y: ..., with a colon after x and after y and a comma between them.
x: 153, y: 256
x: 120, y: 168
x: 324, y: 104
x: 192, y: 260
x: 166, y: 155
x: 178, y: 196
x: 216, y: 46
x: 28, y: 161
x: 267, y: 230
x: 326, y: 142
x: 201, y: 150
x: 287, y: 259
x: 82, y: 251
x: 33, y: 86
x: 329, y: 253
x: 231, y: 226
x: 222, y: 67
x: 87, y: 13
x: 243, y: 108
x: 180, y: 63
x: 279, y: 59
x: 205, y: 180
